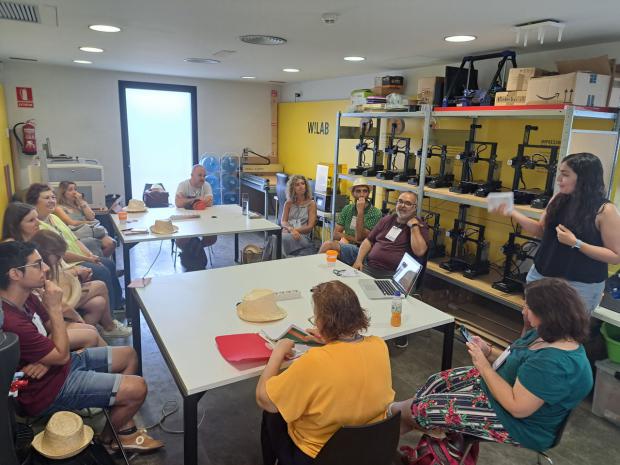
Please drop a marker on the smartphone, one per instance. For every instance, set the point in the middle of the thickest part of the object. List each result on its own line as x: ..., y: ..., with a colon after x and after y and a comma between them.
x: 465, y: 333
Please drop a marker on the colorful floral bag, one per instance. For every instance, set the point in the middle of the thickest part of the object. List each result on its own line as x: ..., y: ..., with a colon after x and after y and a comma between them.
x: 434, y: 451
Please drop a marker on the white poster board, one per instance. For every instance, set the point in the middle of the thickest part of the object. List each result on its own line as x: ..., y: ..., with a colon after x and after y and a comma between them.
x: 600, y: 143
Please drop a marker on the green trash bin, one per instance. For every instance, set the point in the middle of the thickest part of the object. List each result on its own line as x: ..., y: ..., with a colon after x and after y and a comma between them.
x: 611, y: 334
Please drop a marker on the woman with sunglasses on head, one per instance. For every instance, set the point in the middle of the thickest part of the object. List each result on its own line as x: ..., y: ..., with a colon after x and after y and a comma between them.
x: 75, y: 212
x: 103, y: 268
x: 347, y: 381
x: 298, y: 218
x: 578, y: 230
x: 90, y: 298
x: 523, y: 395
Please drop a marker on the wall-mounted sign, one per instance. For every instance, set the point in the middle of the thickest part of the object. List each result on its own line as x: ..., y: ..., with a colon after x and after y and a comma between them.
x: 24, y: 97
x: 318, y: 127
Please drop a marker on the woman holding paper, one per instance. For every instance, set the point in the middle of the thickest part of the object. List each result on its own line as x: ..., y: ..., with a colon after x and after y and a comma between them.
x: 578, y: 230
x: 347, y: 381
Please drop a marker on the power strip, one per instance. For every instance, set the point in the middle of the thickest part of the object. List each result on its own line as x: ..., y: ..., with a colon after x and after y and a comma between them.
x: 288, y: 295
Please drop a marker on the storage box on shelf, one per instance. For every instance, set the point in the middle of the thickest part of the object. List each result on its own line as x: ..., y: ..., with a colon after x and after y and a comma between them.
x: 606, y: 401
x: 518, y: 78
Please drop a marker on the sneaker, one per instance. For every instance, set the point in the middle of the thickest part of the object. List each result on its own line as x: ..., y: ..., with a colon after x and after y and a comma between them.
x: 138, y: 441
x: 120, y: 330
x: 401, y: 342
x: 89, y: 412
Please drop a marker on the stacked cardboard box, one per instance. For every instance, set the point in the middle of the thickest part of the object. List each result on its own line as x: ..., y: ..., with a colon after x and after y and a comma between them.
x: 516, y: 87
x: 385, y: 85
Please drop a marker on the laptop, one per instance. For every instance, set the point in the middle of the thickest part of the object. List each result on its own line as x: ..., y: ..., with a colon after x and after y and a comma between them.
x: 404, y: 279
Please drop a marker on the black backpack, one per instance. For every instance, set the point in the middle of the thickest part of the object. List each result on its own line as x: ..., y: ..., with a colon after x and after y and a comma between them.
x: 193, y: 256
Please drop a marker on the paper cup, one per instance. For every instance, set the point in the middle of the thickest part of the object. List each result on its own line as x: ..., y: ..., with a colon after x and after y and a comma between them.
x: 331, y: 256
x: 122, y: 216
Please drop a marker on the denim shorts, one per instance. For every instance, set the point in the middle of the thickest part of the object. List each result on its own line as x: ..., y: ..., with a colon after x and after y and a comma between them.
x: 90, y: 383
x: 348, y: 253
x: 590, y: 293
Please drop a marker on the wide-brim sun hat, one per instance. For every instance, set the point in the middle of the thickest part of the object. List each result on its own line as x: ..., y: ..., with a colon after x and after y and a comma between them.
x: 361, y: 181
x: 163, y: 227
x: 259, y: 306
x: 135, y: 206
x: 64, y: 436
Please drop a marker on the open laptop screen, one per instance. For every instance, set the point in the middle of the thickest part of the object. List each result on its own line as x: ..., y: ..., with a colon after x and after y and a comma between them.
x: 407, y: 273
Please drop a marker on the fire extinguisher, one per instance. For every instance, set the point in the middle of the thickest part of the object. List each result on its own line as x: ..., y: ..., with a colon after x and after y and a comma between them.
x: 28, y: 141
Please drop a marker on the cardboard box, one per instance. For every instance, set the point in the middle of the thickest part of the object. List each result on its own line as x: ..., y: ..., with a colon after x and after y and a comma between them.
x: 430, y: 90
x: 506, y: 99
x: 519, y: 77
x: 614, y: 89
x: 586, y: 89
x: 386, y: 90
x: 389, y: 81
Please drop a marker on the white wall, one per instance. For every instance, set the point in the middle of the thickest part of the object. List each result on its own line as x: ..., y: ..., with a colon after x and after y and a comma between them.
x: 78, y: 109
x: 340, y: 88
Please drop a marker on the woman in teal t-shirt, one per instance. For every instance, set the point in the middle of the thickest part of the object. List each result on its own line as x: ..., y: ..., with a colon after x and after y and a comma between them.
x: 523, y: 395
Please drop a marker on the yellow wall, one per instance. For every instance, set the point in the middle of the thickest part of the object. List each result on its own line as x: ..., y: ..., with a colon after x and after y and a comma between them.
x: 5, y: 155
x: 299, y: 152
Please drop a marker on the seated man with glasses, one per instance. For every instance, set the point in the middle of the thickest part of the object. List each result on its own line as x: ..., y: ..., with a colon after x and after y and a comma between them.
x: 381, y: 252
x: 58, y: 379
x: 354, y: 223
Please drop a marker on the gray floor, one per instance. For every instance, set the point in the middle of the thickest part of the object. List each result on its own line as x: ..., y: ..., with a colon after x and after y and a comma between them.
x: 229, y: 432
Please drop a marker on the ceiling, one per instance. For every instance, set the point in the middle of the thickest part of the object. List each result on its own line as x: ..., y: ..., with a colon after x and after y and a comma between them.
x: 158, y: 35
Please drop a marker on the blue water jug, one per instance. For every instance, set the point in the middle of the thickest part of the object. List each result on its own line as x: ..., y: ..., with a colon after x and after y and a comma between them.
x: 211, y: 163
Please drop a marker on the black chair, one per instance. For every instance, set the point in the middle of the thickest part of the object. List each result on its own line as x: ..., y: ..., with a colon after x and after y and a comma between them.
x: 541, y: 455
x: 9, y: 357
x: 281, y: 180
x: 373, y: 444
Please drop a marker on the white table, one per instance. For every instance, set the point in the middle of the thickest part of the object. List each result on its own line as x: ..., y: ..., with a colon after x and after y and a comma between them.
x: 185, y: 312
x: 216, y: 220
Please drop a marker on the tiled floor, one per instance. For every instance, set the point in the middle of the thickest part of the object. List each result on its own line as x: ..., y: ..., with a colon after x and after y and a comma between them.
x: 229, y: 432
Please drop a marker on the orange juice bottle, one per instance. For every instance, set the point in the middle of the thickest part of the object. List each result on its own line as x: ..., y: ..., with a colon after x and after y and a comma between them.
x: 397, y: 309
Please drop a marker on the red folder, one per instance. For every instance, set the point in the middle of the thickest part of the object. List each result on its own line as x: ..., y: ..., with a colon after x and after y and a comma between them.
x: 243, y: 347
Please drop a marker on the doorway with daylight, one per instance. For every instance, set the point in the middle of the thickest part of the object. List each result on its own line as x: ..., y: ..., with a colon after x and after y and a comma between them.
x: 159, y: 130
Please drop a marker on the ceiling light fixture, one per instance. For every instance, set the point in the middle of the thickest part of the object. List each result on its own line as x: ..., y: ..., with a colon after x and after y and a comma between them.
x: 463, y: 38
x: 208, y: 61
x: 83, y: 62
x: 329, y: 18
x: 91, y: 49
x: 354, y: 58
x: 291, y: 70
x: 248, y: 77
x: 540, y: 27
x: 260, y: 39
x: 104, y: 28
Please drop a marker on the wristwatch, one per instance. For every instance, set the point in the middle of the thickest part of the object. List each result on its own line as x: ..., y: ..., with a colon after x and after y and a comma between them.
x: 415, y: 225
x: 577, y: 245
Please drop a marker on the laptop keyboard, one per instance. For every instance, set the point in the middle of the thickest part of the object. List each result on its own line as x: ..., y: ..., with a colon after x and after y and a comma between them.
x: 386, y: 286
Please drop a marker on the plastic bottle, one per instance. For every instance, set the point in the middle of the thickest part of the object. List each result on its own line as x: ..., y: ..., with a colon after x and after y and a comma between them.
x: 397, y: 309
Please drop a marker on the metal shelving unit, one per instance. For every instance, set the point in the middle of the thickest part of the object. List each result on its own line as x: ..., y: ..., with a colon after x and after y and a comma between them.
x: 566, y: 113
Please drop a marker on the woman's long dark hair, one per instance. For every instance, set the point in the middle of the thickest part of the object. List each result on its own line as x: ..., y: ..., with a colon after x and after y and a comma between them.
x: 13, y: 216
x: 587, y: 198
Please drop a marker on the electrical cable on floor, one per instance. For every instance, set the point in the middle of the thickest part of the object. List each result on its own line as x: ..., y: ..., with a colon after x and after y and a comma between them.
x: 154, y: 260
x: 170, y: 407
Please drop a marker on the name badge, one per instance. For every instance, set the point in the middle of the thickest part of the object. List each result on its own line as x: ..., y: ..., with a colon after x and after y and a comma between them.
x: 393, y: 233
x: 501, y: 359
x: 353, y: 223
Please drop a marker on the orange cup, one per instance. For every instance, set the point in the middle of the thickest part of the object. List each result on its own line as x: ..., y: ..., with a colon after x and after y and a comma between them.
x: 331, y: 256
x: 122, y: 216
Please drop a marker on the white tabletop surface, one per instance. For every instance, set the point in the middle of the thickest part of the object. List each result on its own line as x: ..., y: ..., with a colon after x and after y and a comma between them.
x: 219, y: 219
x: 187, y: 311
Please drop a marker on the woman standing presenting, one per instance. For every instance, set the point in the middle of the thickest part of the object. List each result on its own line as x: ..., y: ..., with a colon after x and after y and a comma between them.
x: 579, y: 230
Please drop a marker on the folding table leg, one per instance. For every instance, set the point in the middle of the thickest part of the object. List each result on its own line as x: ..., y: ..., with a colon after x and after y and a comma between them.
x: 190, y: 426
x: 448, y: 342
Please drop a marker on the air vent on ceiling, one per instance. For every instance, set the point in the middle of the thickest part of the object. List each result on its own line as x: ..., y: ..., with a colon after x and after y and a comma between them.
x: 19, y: 12
x: 22, y: 59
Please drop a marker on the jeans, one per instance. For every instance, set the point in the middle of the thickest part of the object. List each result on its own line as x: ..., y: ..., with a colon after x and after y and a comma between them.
x: 348, y: 253
x: 590, y: 293
x: 89, y: 383
x: 106, y: 272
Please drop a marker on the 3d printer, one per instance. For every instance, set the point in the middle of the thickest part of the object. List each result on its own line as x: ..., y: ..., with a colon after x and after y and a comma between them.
x: 436, y: 246
x: 471, y: 265
x: 444, y: 178
x: 518, y: 256
x: 535, y: 197
x: 396, y: 145
x: 470, y: 156
x: 362, y: 147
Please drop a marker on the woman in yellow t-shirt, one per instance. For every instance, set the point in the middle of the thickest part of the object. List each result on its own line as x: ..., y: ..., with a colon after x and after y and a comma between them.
x: 347, y: 381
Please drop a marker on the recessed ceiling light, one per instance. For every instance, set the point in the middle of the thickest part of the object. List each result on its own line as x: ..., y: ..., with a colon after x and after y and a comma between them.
x: 459, y: 38
x: 208, y: 61
x: 259, y: 39
x: 83, y: 62
x: 291, y: 70
x: 91, y: 49
x: 354, y: 58
x: 248, y: 77
x: 104, y: 28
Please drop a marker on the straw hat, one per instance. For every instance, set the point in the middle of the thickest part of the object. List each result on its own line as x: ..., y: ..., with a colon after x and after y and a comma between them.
x: 259, y: 306
x: 164, y: 227
x: 135, y: 206
x: 65, y: 435
x: 360, y: 182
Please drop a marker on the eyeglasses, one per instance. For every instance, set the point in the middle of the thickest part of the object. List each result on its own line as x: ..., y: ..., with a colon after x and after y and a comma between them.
x: 38, y: 264
x: 312, y: 320
x: 406, y: 203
